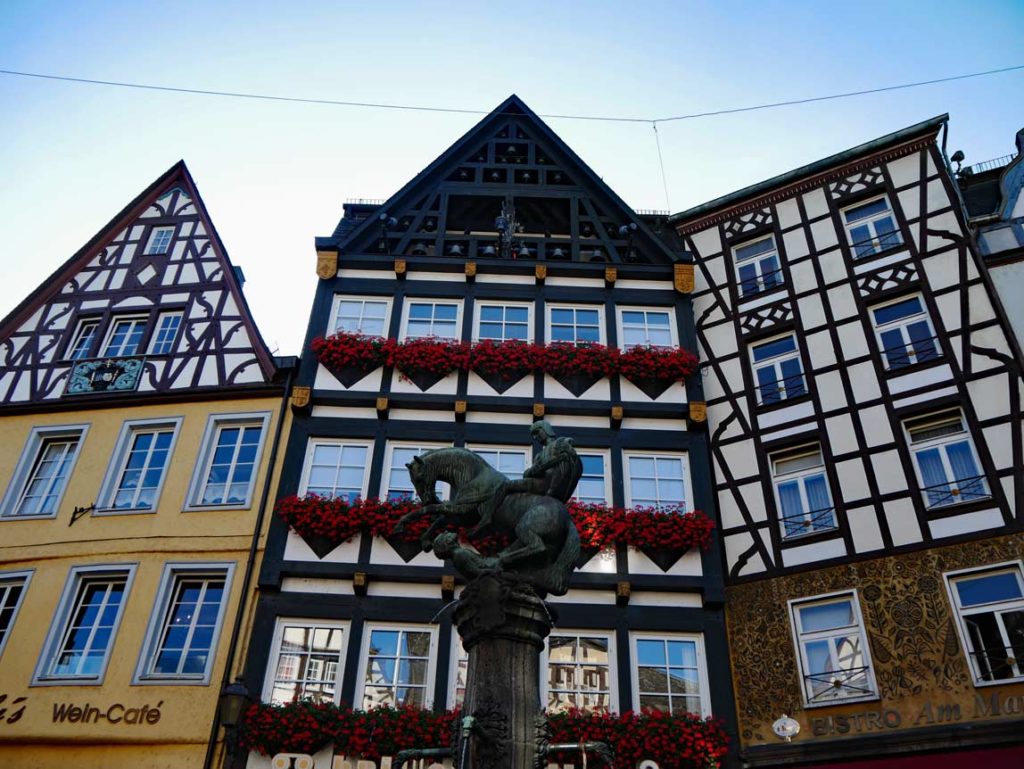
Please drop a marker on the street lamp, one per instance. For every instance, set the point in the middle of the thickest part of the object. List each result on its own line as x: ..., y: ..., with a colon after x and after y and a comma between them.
x: 233, y: 700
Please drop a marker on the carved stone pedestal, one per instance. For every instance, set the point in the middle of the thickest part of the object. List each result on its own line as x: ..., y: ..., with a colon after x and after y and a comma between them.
x: 503, y: 624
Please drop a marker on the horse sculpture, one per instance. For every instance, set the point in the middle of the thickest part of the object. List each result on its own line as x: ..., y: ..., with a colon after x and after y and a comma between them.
x: 546, y: 543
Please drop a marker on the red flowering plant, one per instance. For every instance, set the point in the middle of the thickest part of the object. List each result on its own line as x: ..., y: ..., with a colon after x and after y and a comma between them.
x: 429, y: 356
x: 338, y: 520
x: 345, y: 349
x: 588, y: 358
x: 511, y: 356
x: 675, y: 741
x: 601, y: 526
x: 644, y: 361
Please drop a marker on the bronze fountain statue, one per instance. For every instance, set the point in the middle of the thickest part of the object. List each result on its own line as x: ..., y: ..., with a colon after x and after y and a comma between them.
x: 501, y: 614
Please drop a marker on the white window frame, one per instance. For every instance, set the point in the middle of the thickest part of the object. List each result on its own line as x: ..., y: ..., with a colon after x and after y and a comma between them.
x: 336, y: 307
x: 80, y: 328
x: 801, y: 664
x: 407, y: 307
x: 613, y: 660
x: 109, y: 336
x: 738, y: 262
x: 155, y: 234
x: 364, y: 658
x: 915, y: 447
x: 965, y: 641
x: 27, y: 463
x: 62, y: 619
x: 270, y: 676
x: 526, y: 451
x: 477, y: 310
x: 389, y: 451
x: 796, y: 452
x: 901, y: 326
x: 627, y: 481
x: 202, y: 466
x: 775, y: 363
x: 606, y: 460
x: 702, y: 664
x: 307, y: 463
x: 161, y: 606
x: 601, y: 330
x: 7, y: 578
x: 157, y: 328
x: 875, y: 239
x: 620, y: 325
x: 456, y: 654
x: 116, y: 465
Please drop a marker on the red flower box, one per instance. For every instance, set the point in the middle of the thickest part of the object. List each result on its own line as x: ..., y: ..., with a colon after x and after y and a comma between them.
x: 671, y: 364
x: 429, y: 357
x: 601, y: 527
x: 569, y: 358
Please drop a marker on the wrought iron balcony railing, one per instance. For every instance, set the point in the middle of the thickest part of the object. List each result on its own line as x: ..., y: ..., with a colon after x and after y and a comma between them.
x: 956, y: 491
x: 811, y: 521
x: 782, y: 389
x: 998, y: 663
x: 902, y: 355
x: 839, y: 683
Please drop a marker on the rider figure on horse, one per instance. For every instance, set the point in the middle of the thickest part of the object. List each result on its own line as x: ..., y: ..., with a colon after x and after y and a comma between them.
x: 554, y: 473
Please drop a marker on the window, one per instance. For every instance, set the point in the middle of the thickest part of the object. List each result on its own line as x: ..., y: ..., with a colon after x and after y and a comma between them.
x: 181, y: 640
x: 593, y: 484
x: 124, y: 337
x: 947, y: 466
x: 579, y: 672
x: 832, y: 650
x: 657, y: 480
x: 306, y: 662
x: 871, y: 227
x: 805, y: 505
x: 139, y: 465
x: 83, y: 339
x: 646, y: 327
x: 574, y: 324
x: 160, y: 240
x: 777, y: 370
x: 398, y: 483
x: 460, y: 673
x: 757, y: 266
x: 502, y: 322
x: 397, y: 667
x: 230, y: 454
x: 360, y: 316
x: 13, y: 586
x: 41, y: 476
x: 83, y: 630
x: 905, y: 334
x: 166, y: 333
x: 511, y: 462
x: 990, y: 605
x: 335, y: 469
x: 671, y: 675
x: 425, y: 318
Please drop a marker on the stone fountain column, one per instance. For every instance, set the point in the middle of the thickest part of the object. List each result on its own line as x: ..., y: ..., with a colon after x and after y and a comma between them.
x: 503, y: 624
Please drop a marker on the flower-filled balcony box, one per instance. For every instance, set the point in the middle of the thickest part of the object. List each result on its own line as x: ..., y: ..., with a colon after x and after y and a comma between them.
x: 350, y: 357
x: 502, y: 364
x: 654, y: 369
x: 673, y: 741
x: 426, y: 361
x: 578, y: 366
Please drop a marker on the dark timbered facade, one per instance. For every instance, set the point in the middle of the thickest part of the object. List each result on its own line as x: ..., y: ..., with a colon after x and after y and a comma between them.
x: 507, y: 235
x: 864, y: 408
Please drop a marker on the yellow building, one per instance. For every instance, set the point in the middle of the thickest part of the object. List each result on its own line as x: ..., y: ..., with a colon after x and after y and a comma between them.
x: 140, y: 411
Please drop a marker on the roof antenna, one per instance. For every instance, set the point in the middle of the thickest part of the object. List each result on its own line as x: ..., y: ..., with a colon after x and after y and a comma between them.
x: 661, y: 162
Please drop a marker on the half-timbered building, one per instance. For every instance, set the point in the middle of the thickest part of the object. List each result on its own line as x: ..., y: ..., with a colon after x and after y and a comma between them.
x: 139, y: 409
x: 864, y: 410
x: 508, y: 235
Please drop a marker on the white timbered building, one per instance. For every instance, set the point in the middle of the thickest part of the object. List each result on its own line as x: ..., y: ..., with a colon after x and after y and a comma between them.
x: 436, y: 260
x: 864, y: 409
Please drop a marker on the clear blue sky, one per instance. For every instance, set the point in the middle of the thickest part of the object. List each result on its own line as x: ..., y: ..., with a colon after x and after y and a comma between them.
x: 275, y: 175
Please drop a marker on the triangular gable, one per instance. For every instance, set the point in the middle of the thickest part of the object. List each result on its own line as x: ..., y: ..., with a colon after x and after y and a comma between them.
x: 563, y: 210
x: 160, y: 263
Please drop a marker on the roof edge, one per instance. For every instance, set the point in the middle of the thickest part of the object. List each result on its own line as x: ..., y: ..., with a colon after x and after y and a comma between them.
x: 896, y: 137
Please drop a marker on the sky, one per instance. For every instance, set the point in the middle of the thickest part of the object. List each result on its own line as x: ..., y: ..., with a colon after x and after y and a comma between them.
x: 274, y: 175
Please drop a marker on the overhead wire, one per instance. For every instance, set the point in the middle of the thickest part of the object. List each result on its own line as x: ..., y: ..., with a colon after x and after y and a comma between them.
x: 463, y: 111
